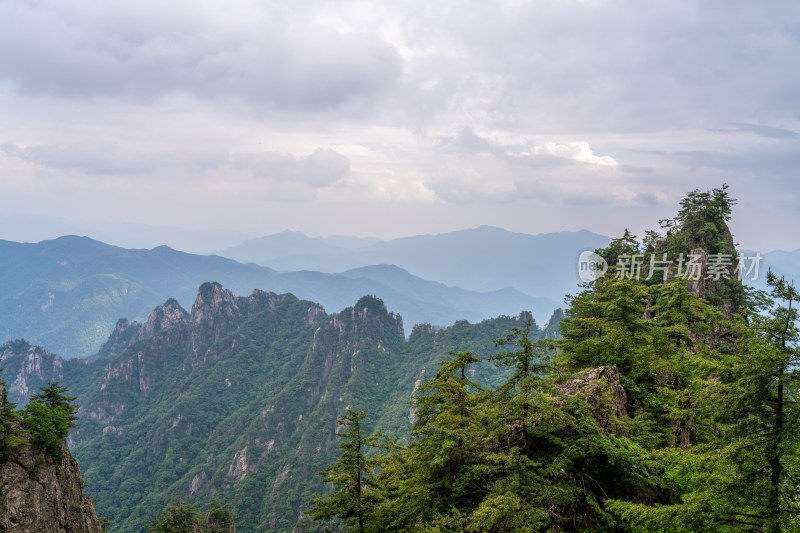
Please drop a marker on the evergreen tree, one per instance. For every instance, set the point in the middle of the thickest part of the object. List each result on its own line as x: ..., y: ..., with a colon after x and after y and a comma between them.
x: 179, y: 517
x: 14, y: 439
x: 182, y: 517
x: 774, y: 417
x: 530, y: 361
x: 607, y: 324
x: 49, y: 416
x: 627, y: 245
x: 681, y: 313
x: 743, y: 471
x: 709, y: 443
x: 355, y: 488
x: 53, y: 396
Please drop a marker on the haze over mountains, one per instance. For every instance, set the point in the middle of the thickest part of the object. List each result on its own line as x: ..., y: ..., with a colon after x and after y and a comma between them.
x: 66, y: 294
x: 482, y: 259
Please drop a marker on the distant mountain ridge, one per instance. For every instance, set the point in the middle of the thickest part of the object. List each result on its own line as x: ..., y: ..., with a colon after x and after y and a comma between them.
x: 485, y: 258
x: 68, y: 293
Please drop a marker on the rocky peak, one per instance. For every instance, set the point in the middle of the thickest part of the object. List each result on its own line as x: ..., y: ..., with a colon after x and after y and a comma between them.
x: 422, y: 329
x: 31, y: 366
x: 213, y: 305
x: 217, y: 311
x: 125, y: 333
x: 371, y: 309
x: 701, y: 232
x: 163, y: 317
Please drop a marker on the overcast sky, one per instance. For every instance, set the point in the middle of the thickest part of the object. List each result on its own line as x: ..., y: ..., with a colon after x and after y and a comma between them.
x: 398, y: 118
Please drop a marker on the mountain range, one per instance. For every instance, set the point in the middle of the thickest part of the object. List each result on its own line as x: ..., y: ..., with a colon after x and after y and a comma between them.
x: 238, y: 398
x: 66, y: 294
x: 480, y: 259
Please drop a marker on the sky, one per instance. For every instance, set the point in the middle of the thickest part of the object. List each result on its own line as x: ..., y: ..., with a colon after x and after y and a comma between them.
x: 374, y: 118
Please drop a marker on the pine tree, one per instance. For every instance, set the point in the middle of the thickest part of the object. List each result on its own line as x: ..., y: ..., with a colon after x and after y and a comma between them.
x: 681, y: 313
x: 355, y: 487
x: 780, y: 377
x: 743, y: 471
x: 14, y: 439
x: 530, y: 361
x: 53, y: 396
x: 49, y: 416
x: 607, y: 324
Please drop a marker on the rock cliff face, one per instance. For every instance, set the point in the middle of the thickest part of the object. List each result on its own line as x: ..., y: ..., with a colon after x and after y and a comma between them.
x: 602, y: 389
x: 217, y: 311
x: 31, y: 366
x: 39, y: 495
x: 125, y: 333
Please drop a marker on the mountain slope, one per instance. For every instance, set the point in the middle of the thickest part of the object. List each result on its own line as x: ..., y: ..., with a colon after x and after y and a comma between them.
x: 239, y: 399
x: 263, y: 250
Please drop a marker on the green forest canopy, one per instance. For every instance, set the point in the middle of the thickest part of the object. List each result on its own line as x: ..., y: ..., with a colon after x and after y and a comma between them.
x: 704, y: 437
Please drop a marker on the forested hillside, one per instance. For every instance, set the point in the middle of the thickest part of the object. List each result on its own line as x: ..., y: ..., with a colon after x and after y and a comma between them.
x: 662, y: 399
x: 670, y: 404
x: 238, y: 399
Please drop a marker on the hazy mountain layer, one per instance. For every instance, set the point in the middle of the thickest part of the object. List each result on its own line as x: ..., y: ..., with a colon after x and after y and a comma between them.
x: 482, y: 259
x: 67, y: 294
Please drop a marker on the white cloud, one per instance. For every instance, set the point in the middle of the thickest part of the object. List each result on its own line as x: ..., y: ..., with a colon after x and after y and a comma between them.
x: 579, y: 152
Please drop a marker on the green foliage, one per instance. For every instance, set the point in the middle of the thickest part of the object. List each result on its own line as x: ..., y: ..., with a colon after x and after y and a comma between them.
x: 352, y: 476
x: 48, y: 427
x: 53, y: 397
x: 607, y: 324
x: 709, y: 443
x: 182, y: 517
x: 14, y: 439
x: 178, y: 517
x: 48, y: 418
x: 622, y: 246
x: 266, y: 391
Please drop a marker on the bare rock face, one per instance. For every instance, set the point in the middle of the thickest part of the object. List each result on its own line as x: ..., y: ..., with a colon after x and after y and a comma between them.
x: 217, y: 311
x: 32, y: 367
x: 125, y: 333
x: 603, y: 391
x: 40, y: 495
x: 164, y: 317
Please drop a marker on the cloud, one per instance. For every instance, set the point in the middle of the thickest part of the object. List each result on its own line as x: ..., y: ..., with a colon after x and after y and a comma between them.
x: 108, y: 159
x: 579, y: 152
x: 466, y: 141
x: 536, y: 110
x: 763, y: 131
x: 149, y: 49
x: 321, y: 168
